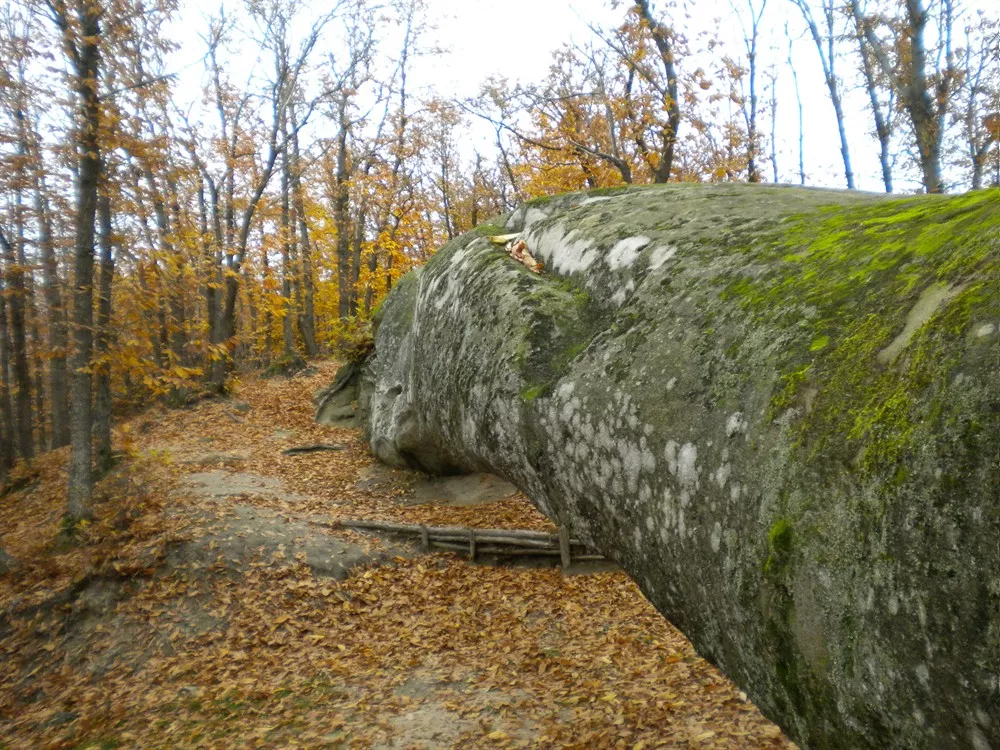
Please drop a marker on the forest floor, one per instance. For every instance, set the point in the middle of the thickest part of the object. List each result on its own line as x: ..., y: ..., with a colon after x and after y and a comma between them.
x: 212, y: 605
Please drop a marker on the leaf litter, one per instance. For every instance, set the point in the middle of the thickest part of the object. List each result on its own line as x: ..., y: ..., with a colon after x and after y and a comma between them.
x: 119, y: 641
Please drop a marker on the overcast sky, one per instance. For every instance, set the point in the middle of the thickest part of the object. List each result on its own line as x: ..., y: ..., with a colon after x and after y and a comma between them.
x: 515, y: 39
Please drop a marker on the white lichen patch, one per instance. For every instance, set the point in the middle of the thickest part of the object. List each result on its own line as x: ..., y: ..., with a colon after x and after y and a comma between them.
x: 670, y: 453
x: 722, y: 475
x: 660, y: 255
x: 687, y: 468
x: 931, y: 300
x: 619, y: 297
x: 716, y: 536
x: 735, y: 424
x: 561, y: 251
x: 987, y: 329
x: 625, y: 252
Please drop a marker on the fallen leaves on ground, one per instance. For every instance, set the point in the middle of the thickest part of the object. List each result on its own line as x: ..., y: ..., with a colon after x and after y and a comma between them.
x: 113, y: 643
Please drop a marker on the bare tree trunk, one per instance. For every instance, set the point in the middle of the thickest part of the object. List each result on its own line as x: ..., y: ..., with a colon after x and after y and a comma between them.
x: 286, y: 251
x: 265, y: 352
x: 102, y: 371
x: 882, y: 130
x: 14, y: 284
x: 177, y: 265
x: 825, y: 47
x: 307, y: 320
x: 209, y: 269
x: 774, y: 126
x: 753, y: 172
x: 359, y: 237
x: 38, y: 369
x: 85, y: 53
x: 341, y: 219
x: 8, y: 453
x: 52, y: 290
x: 669, y: 135
x: 798, y: 102
x: 926, y: 112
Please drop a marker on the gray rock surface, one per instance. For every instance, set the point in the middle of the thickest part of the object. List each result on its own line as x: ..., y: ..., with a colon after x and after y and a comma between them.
x: 777, y: 409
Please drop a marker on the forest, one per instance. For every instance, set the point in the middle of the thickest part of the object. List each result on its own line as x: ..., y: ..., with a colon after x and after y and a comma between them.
x: 158, y: 235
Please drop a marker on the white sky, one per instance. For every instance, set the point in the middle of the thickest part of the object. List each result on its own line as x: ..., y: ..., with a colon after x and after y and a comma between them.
x: 515, y: 39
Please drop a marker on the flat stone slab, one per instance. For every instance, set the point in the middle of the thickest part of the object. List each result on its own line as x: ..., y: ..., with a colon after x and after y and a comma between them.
x: 247, y: 534
x: 421, y: 489
x: 461, y: 491
x: 221, y: 484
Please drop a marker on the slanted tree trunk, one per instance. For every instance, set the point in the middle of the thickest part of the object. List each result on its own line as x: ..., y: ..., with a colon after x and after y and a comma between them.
x: 826, y: 48
x: 661, y: 38
x: 882, y: 121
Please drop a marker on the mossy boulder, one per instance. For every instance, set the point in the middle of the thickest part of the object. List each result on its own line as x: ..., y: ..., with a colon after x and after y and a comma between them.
x: 778, y: 409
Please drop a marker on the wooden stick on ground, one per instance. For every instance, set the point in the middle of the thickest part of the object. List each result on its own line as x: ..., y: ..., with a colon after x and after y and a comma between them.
x: 513, y: 542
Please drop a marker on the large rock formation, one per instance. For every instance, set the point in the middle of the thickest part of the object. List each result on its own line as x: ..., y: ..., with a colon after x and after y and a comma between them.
x: 778, y: 409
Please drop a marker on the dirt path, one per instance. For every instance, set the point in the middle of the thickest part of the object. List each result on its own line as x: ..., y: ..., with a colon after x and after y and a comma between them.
x: 228, y: 613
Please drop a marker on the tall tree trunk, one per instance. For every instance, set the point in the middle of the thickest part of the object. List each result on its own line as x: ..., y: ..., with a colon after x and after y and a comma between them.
x: 8, y: 423
x: 86, y: 59
x: 774, y: 128
x: 288, y: 335
x: 307, y: 320
x: 38, y: 369
x: 926, y: 112
x: 798, y: 102
x: 216, y: 369
x: 661, y: 38
x: 340, y: 218
x: 882, y: 130
x: 177, y: 265
x: 53, y: 293
x: 102, y: 394
x: 359, y: 238
x: 14, y: 284
x: 825, y: 47
x: 268, y: 316
x: 171, y: 275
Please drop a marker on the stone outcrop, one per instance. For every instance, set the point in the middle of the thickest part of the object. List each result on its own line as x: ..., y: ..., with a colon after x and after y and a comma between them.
x: 777, y: 409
